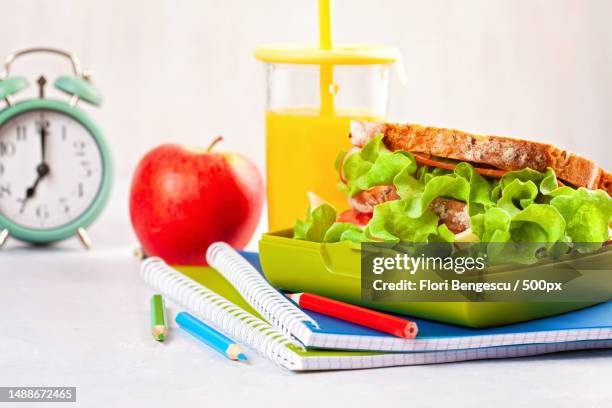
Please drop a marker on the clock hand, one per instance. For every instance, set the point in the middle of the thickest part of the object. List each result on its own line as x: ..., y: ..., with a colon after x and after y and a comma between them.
x: 43, y: 138
x: 42, y: 170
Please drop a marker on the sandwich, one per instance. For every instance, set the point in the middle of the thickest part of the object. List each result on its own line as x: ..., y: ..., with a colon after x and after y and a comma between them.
x: 413, y: 183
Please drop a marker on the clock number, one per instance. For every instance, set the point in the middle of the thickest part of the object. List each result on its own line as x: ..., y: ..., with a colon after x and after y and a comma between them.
x: 80, y: 190
x: 42, y: 124
x: 63, y: 132
x: 79, y: 147
x: 7, y: 149
x: 64, y: 205
x: 21, y: 133
x: 87, y: 166
x: 5, y: 190
x: 1, y: 169
x: 42, y: 212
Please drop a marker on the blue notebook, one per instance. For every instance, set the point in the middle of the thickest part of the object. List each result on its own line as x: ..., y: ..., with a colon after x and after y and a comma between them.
x: 318, y: 331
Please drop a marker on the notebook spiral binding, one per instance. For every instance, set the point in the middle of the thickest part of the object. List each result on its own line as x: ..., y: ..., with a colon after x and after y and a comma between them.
x: 220, y: 312
x: 253, y: 287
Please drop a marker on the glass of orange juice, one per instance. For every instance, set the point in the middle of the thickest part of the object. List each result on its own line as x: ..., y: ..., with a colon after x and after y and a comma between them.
x: 312, y: 94
x: 307, y: 122
x: 303, y: 140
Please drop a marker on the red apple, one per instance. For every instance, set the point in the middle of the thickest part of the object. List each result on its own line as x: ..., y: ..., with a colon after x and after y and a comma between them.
x: 183, y: 200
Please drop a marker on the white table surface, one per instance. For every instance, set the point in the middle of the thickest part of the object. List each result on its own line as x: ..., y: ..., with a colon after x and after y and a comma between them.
x: 75, y: 318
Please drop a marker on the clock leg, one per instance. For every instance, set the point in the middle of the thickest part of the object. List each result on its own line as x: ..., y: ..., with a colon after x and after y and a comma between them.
x: 4, y: 234
x: 84, y: 238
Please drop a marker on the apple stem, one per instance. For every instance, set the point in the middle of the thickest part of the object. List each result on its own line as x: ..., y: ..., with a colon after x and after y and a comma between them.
x: 213, y: 143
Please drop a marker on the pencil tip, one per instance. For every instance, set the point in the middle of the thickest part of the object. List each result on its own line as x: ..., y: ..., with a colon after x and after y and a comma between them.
x: 294, y: 296
x: 242, y: 356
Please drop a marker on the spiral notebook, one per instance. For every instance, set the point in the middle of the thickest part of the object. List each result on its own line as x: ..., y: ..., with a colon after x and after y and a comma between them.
x: 317, y: 331
x: 219, y: 304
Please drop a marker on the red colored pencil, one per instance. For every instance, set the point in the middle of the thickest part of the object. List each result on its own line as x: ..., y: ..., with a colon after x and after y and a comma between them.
x: 355, y: 314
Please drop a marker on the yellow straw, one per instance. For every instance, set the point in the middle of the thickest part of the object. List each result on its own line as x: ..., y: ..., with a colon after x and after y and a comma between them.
x: 326, y: 76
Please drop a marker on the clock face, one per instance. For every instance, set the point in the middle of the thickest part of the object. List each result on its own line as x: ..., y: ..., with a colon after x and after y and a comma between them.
x: 51, y: 169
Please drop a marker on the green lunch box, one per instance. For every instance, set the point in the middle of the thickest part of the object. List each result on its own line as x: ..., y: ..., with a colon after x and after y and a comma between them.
x: 334, y: 270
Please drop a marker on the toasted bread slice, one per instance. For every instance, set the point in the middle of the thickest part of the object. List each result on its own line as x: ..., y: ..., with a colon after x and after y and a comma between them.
x: 502, y: 152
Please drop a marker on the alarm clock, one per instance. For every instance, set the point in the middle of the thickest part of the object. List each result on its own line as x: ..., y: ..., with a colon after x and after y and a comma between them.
x: 55, y: 167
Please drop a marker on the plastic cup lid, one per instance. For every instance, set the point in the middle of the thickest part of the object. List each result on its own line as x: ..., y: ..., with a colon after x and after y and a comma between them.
x: 339, y: 55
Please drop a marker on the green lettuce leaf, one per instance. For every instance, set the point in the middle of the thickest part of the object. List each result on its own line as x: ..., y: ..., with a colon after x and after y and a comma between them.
x: 423, y: 174
x: 495, y: 190
x: 385, y: 168
x: 354, y: 168
x: 448, y: 186
x: 340, y: 160
x: 406, y: 185
x: 391, y: 222
x: 344, y: 231
x: 538, y: 223
x: 525, y: 236
x: 480, y: 189
x: 588, y: 214
x: 550, y: 187
x: 492, y: 226
x: 517, y: 195
x: 549, y: 182
x: 317, y: 222
x: 426, y: 173
x: 375, y: 165
x: 524, y: 175
x: 536, y: 230
x: 443, y: 235
x: 546, y: 182
x: 373, y: 149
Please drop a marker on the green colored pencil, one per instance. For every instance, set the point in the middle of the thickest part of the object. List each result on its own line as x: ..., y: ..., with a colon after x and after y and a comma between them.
x: 159, y: 325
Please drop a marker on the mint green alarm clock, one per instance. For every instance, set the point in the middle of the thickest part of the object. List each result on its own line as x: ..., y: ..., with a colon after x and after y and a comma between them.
x: 55, y: 167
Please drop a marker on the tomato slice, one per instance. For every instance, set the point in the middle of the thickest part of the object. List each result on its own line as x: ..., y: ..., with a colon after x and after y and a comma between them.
x: 354, y: 217
x: 449, y: 166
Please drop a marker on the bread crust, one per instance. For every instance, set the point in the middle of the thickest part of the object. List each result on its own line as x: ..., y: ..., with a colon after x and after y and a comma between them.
x: 501, y: 152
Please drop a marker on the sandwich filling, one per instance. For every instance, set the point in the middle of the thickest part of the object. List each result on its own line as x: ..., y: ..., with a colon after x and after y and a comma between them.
x: 398, y: 195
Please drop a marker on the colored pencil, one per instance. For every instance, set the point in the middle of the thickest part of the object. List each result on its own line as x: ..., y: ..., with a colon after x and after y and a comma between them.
x: 210, y: 336
x: 159, y: 323
x: 358, y: 315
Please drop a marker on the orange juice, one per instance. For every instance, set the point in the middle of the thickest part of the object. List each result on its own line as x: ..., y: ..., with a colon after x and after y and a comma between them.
x: 301, y: 148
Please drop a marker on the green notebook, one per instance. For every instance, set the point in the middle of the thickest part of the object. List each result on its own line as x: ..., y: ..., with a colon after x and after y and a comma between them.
x: 205, y: 293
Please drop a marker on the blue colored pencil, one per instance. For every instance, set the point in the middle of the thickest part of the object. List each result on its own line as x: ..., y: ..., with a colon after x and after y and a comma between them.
x: 210, y: 336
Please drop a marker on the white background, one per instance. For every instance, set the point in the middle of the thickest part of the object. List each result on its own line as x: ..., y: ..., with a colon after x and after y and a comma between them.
x: 183, y: 71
